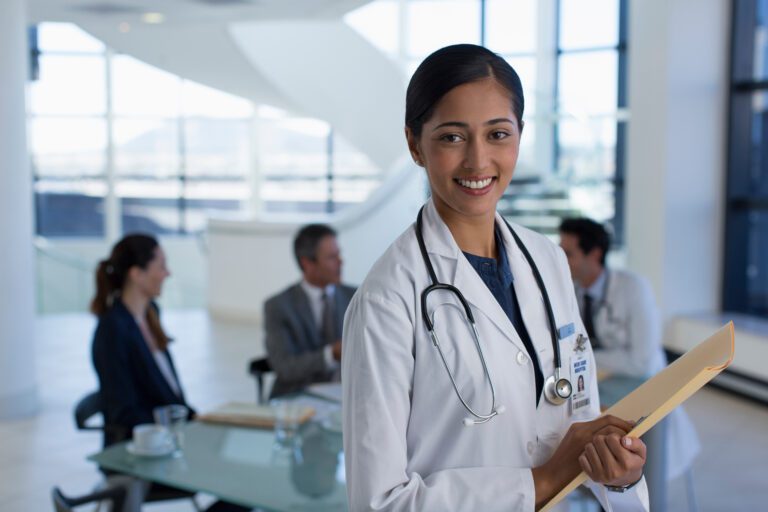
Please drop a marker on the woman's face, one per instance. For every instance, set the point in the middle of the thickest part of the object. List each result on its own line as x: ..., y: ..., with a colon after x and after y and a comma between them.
x: 469, y: 148
x: 150, y: 280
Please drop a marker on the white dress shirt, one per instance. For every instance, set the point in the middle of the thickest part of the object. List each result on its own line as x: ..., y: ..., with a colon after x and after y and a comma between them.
x: 315, y: 296
x: 165, y: 369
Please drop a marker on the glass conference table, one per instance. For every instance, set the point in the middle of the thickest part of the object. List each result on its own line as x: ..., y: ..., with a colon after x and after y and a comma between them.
x: 243, y: 466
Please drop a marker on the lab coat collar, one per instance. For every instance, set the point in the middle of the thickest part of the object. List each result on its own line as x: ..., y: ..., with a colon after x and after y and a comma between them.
x: 438, y: 237
x: 440, y: 242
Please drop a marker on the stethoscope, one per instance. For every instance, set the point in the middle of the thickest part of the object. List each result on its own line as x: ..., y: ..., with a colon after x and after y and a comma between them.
x: 557, y: 389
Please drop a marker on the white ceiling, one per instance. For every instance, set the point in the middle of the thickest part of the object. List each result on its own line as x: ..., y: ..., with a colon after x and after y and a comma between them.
x: 182, y: 12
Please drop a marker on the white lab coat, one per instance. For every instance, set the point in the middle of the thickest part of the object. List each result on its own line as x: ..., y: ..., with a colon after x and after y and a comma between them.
x: 628, y: 325
x: 406, y: 448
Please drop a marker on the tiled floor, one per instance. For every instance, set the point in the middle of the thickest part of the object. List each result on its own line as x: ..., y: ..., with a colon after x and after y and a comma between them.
x: 731, y: 474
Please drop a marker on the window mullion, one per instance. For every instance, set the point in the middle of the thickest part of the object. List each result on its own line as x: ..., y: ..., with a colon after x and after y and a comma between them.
x: 112, y: 209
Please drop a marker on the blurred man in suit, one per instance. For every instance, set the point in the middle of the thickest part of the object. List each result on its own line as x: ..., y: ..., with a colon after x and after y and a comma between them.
x: 304, y: 321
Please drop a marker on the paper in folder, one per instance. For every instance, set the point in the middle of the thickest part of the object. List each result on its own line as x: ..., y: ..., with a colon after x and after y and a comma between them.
x: 658, y: 396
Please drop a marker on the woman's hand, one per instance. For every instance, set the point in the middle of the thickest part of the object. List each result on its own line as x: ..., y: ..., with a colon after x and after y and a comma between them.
x: 613, y: 459
x: 564, y: 464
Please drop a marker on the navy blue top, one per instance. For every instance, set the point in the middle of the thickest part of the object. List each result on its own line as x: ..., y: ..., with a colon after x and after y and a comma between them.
x: 497, y: 276
x: 130, y: 382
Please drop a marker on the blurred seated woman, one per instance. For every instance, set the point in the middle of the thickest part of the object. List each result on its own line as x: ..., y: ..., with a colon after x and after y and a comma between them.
x: 130, y: 351
x: 130, y: 347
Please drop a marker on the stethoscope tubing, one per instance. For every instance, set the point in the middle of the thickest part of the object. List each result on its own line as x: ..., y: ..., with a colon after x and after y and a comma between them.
x: 544, y: 294
x: 437, y: 285
x: 482, y: 417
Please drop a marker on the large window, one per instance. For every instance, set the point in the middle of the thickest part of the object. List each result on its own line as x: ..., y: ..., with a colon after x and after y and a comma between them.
x: 571, y: 57
x: 746, y: 257
x: 121, y: 146
x: 307, y: 167
x: 591, y: 104
x: 68, y: 133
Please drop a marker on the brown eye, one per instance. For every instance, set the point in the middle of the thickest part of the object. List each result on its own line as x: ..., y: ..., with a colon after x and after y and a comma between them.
x: 450, y: 137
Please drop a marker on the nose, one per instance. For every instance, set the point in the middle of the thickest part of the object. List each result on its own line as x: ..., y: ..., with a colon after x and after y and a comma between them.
x: 476, y: 155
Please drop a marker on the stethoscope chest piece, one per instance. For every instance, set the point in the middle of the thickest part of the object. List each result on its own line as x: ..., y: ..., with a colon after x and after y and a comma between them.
x: 557, y: 390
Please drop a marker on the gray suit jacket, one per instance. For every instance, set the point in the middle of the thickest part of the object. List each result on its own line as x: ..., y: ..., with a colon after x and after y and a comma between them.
x: 294, y: 344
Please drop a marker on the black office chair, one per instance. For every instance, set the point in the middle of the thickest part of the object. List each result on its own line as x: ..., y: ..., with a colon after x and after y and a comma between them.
x: 87, y: 409
x: 115, y: 495
x: 257, y: 368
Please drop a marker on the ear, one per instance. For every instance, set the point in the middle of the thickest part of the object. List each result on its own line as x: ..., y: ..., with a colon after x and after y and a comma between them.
x: 305, y: 263
x: 133, y: 273
x: 595, y: 255
x: 413, y: 147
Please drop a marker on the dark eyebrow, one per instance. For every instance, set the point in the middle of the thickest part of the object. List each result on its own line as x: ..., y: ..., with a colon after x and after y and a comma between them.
x: 459, y: 124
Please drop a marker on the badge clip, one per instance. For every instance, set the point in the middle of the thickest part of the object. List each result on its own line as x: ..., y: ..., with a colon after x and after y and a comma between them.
x: 581, y: 343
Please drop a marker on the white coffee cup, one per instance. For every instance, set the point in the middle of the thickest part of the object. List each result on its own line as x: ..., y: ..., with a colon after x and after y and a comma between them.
x: 150, y: 437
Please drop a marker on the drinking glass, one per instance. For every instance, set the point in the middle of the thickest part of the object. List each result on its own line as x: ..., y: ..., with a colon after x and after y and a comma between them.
x: 286, y: 421
x: 173, y: 417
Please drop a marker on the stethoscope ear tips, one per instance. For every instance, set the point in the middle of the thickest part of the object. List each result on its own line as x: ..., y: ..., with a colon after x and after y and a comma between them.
x: 500, y: 409
x: 469, y: 422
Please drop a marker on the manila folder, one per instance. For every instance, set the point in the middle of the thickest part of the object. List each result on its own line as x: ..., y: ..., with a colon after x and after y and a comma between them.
x: 656, y: 397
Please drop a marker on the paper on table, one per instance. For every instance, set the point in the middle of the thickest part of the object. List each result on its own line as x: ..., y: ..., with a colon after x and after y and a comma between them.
x: 250, y: 415
x: 658, y: 396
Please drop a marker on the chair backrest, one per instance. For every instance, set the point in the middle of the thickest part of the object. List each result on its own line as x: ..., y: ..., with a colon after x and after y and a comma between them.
x: 115, y: 494
x: 88, y: 407
x: 258, y: 368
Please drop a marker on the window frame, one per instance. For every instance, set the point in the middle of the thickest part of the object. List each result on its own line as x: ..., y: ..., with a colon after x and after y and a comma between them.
x: 741, y: 200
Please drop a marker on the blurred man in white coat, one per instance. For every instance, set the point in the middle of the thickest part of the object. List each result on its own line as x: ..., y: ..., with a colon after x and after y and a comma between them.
x: 623, y: 324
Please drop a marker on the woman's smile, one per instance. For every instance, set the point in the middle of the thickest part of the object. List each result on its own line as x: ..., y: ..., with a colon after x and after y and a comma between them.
x: 475, y: 185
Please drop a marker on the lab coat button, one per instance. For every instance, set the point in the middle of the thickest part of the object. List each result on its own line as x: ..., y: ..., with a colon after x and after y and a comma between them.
x: 531, y: 447
x: 521, y: 358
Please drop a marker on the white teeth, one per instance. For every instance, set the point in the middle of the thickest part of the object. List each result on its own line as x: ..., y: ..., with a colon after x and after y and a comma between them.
x: 474, y: 183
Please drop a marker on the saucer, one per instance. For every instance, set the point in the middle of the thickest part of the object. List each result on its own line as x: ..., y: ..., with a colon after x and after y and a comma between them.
x: 141, y: 452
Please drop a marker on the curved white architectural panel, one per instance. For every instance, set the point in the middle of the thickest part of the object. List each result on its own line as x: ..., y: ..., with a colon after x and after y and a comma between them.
x: 329, y: 71
x: 203, y: 53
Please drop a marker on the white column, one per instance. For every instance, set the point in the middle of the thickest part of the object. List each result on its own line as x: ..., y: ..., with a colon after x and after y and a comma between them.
x: 678, y: 78
x: 18, y: 388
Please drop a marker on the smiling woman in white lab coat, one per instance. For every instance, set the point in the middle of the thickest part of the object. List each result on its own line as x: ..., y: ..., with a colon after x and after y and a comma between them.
x: 450, y: 421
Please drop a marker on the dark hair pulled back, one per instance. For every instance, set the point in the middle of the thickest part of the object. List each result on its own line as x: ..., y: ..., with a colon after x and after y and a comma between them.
x: 451, y: 67
x: 134, y: 250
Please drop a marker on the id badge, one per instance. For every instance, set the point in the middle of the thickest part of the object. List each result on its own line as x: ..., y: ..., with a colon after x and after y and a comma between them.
x: 580, y: 379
